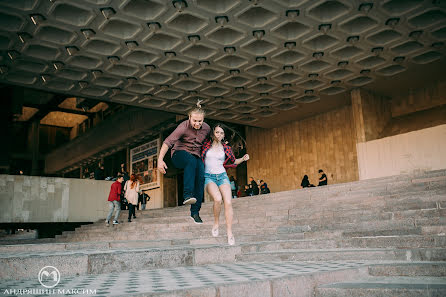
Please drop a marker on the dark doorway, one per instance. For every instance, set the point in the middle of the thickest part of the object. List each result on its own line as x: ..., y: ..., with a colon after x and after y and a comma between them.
x: 180, y: 178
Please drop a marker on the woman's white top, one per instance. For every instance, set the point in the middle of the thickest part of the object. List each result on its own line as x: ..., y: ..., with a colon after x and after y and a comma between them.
x: 213, y: 162
x: 131, y: 194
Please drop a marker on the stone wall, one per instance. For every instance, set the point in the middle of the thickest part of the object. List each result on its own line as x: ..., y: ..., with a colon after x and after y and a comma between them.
x: 412, y: 152
x: 35, y: 199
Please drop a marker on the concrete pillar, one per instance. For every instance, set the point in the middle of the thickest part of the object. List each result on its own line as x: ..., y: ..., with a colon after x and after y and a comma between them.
x: 371, y: 114
x: 6, y: 123
x: 358, y: 116
x: 35, y: 126
x: 127, y: 159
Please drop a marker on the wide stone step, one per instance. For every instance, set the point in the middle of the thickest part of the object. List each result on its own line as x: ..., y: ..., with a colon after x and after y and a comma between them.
x: 90, y: 245
x: 365, y: 228
x: 274, y: 279
x: 96, y: 261
x: 385, y: 286
x: 259, y: 202
x: 297, y: 216
x: 390, y: 204
x: 356, y: 216
x: 193, y: 238
x: 437, y: 269
x: 432, y: 241
x: 366, y: 254
x: 248, y: 243
x: 135, y: 230
x: 315, y: 217
x: 287, y: 201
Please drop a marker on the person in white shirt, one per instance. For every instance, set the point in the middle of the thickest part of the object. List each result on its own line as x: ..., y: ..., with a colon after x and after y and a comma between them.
x: 131, y: 189
x: 217, y: 156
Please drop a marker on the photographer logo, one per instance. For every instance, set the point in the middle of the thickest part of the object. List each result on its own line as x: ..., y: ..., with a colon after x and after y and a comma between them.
x: 49, y: 276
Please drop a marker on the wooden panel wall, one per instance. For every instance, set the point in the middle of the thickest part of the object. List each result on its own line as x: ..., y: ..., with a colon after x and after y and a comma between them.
x: 282, y: 156
x: 430, y: 96
x: 169, y: 186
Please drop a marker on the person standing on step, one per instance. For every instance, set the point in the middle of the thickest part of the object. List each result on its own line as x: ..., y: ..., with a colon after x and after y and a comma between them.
x: 233, y: 186
x: 185, y: 142
x: 114, y: 199
x: 131, y: 189
x: 143, y: 198
x: 217, y: 156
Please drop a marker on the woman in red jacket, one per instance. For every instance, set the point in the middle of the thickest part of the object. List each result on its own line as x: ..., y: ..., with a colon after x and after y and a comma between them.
x: 217, y: 156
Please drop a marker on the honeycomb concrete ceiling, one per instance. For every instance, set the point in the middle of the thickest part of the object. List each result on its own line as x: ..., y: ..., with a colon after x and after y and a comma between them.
x: 253, y: 62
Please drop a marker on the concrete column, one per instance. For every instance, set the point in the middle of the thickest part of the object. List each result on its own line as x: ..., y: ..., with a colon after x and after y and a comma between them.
x: 127, y: 159
x: 371, y: 114
x: 358, y: 116
x: 35, y: 126
x: 6, y: 123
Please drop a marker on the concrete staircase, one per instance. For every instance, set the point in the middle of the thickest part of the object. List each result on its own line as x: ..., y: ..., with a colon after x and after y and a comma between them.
x: 380, y: 237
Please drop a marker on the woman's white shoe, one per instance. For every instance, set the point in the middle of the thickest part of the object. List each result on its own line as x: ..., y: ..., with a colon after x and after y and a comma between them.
x: 215, y: 232
x: 231, y: 240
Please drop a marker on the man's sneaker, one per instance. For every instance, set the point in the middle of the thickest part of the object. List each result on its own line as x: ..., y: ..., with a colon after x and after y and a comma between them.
x: 115, y: 222
x: 107, y: 223
x: 196, y: 218
x: 190, y: 200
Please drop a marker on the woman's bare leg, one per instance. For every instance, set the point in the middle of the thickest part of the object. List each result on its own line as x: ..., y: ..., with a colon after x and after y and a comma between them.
x: 216, y: 196
x: 225, y: 191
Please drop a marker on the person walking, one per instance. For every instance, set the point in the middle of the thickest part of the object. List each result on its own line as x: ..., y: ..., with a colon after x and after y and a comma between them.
x: 114, y: 199
x: 217, y: 156
x: 131, y: 189
x: 185, y: 142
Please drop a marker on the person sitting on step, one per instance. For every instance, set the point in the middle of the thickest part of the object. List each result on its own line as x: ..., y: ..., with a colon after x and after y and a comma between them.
x: 306, y: 182
x: 322, y: 178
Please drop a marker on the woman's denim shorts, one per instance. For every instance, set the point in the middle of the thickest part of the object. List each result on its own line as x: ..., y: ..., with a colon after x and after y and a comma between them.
x: 218, y: 179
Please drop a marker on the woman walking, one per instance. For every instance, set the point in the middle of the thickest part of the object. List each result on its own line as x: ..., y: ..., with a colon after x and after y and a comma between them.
x: 131, y: 194
x: 217, y: 156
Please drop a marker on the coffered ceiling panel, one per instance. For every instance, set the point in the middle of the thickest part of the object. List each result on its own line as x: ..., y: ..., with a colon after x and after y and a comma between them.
x: 248, y: 60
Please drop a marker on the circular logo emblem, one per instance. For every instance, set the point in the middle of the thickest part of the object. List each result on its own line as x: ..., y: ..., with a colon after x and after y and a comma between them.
x: 49, y: 276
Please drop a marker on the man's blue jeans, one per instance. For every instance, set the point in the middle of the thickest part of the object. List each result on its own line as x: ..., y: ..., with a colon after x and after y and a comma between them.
x: 193, y: 177
x: 113, y: 205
